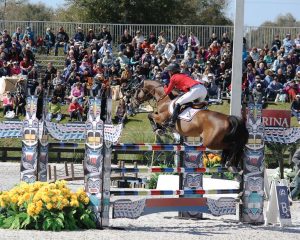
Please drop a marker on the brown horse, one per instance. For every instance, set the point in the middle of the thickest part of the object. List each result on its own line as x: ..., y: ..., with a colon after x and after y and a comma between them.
x: 218, y: 131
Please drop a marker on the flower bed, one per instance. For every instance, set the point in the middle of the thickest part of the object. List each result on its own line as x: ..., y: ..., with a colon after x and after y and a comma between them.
x: 45, y: 206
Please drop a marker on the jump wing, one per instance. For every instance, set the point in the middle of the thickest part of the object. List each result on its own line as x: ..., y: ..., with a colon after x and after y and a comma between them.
x: 66, y: 132
x: 11, y: 129
x: 282, y: 135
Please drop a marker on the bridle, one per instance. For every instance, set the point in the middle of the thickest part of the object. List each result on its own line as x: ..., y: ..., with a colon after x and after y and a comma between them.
x: 147, y: 93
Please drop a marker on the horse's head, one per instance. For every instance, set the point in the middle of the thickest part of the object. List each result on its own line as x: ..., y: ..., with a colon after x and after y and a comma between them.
x: 141, y: 94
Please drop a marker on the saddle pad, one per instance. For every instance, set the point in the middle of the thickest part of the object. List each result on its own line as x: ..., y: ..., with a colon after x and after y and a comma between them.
x: 187, y: 114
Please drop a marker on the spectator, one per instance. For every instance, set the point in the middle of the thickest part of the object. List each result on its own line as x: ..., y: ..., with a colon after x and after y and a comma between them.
x: 139, y: 38
x: 160, y: 47
x: 274, y: 89
x: 126, y: 39
x: 62, y: 40
x: 79, y: 35
x: 25, y: 66
x: 162, y: 37
x: 152, y: 38
x: 296, y: 160
x: 194, y: 42
x: 254, y: 54
x: 295, y: 107
x: 54, y: 110
x: 169, y: 50
x: 18, y: 34
x: 288, y: 44
x: 77, y: 92
x: 258, y: 93
x: 59, y: 79
x: 8, y: 103
x: 49, y: 40
x: 182, y: 43
x: 90, y: 37
x: 276, y: 44
x: 15, y: 69
x: 212, y: 39
x: 14, y: 52
x: 107, y: 60
x: 75, y: 110
x: 20, y: 104
x: 297, y: 42
x: 104, y: 35
x: 30, y: 35
x: 120, y: 114
x: 225, y: 38
x: 49, y: 75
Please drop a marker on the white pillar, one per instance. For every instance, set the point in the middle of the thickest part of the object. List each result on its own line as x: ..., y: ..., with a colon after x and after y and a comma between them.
x: 237, y: 61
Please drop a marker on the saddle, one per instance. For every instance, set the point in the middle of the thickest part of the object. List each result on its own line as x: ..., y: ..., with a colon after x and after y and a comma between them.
x: 188, y: 110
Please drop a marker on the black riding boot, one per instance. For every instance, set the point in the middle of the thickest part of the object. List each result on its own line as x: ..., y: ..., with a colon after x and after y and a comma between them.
x: 174, y: 116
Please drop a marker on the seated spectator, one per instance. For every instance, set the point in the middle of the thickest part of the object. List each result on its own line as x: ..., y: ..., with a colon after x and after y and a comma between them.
x: 160, y: 47
x: 59, y: 79
x: 27, y: 52
x: 54, y: 110
x: 145, y: 44
x: 104, y: 35
x: 21, y: 86
x: 295, y: 107
x: 213, y: 38
x: 291, y: 88
x: 274, y: 89
x: 20, y: 104
x: 90, y: 37
x: 120, y: 114
x: 269, y: 59
x: 254, y: 54
x: 288, y: 44
x: 129, y: 51
x: 123, y: 60
x: 152, y: 38
x: 107, y: 60
x: 14, y: 52
x: 30, y: 35
x: 18, y: 34
x: 77, y: 91
x: 50, y: 73
x: 8, y: 103
x: 75, y: 110
x: 79, y: 35
x: 276, y: 44
x: 59, y: 92
x: 15, y: 69
x: 25, y: 66
x: 62, y: 40
x: 169, y: 50
x: 258, y: 93
x: 49, y: 40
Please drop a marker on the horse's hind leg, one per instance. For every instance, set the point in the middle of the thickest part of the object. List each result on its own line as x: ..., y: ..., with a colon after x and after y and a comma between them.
x: 155, y: 126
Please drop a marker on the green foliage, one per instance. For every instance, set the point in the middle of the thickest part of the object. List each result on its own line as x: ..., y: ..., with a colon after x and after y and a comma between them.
x: 147, y: 12
x: 153, y: 180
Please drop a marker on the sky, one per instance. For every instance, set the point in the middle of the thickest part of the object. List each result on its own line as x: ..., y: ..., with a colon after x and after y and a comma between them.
x: 256, y: 11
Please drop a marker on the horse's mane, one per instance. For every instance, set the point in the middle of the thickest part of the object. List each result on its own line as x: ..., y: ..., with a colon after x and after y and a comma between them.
x: 160, y: 87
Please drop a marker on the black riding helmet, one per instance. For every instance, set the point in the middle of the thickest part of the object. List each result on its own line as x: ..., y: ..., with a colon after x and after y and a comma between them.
x: 173, y: 67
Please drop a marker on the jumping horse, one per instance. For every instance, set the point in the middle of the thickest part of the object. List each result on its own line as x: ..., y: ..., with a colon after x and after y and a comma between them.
x: 218, y: 131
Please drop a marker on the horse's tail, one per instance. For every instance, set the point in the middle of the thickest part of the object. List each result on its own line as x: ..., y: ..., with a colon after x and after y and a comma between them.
x: 237, y: 138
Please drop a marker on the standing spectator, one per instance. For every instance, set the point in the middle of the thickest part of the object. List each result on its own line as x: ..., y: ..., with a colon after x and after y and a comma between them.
x: 21, y: 86
x: 296, y: 160
x: 126, y: 38
x: 295, y: 107
x: 79, y: 35
x: 54, y: 110
x: 49, y: 40
x: 120, y: 115
x: 75, y: 110
x: 105, y: 35
x: 20, y: 104
x: 276, y: 44
x: 288, y: 44
x: 8, y: 103
x: 225, y: 38
x: 297, y: 42
x: 62, y: 40
x: 49, y: 75
x: 32, y: 82
x: 182, y: 43
x: 18, y: 34
x: 194, y: 42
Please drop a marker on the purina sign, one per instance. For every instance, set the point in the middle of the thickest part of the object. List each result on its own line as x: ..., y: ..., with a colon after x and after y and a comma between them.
x: 276, y: 118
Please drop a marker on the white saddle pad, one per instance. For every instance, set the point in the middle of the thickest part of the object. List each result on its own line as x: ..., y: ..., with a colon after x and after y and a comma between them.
x: 188, y: 113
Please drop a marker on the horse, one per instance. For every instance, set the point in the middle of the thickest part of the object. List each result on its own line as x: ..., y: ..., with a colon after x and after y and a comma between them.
x: 217, y: 130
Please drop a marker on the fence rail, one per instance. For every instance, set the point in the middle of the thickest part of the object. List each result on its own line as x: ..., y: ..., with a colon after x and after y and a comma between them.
x: 255, y: 36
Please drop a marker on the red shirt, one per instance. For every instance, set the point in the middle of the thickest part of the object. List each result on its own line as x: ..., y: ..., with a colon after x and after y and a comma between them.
x: 75, y: 106
x: 181, y: 82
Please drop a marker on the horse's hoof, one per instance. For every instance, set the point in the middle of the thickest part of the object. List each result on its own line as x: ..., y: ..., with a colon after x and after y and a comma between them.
x: 159, y: 132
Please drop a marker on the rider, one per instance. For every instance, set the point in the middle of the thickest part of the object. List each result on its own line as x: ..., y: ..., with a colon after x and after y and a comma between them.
x: 192, y: 89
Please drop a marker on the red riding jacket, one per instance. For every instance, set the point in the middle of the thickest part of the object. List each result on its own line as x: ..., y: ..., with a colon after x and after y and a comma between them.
x: 180, y: 81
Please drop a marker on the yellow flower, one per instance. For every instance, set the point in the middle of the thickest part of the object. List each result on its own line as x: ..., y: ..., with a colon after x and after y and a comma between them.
x: 49, y: 206
x: 86, y: 200
x: 74, y: 203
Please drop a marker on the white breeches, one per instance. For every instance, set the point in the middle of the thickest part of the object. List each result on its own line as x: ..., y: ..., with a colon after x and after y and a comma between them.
x: 196, y: 92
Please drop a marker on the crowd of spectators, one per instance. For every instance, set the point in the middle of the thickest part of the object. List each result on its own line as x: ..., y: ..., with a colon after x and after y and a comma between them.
x: 94, y: 61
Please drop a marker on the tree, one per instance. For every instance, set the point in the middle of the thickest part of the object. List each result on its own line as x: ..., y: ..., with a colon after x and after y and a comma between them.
x: 148, y: 11
x: 25, y: 11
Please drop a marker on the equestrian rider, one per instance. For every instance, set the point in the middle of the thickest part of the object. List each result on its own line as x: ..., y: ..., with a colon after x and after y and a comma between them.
x: 192, y: 89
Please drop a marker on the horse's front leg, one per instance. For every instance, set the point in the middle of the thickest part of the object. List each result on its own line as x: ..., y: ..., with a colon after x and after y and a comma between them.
x: 157, y: 128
